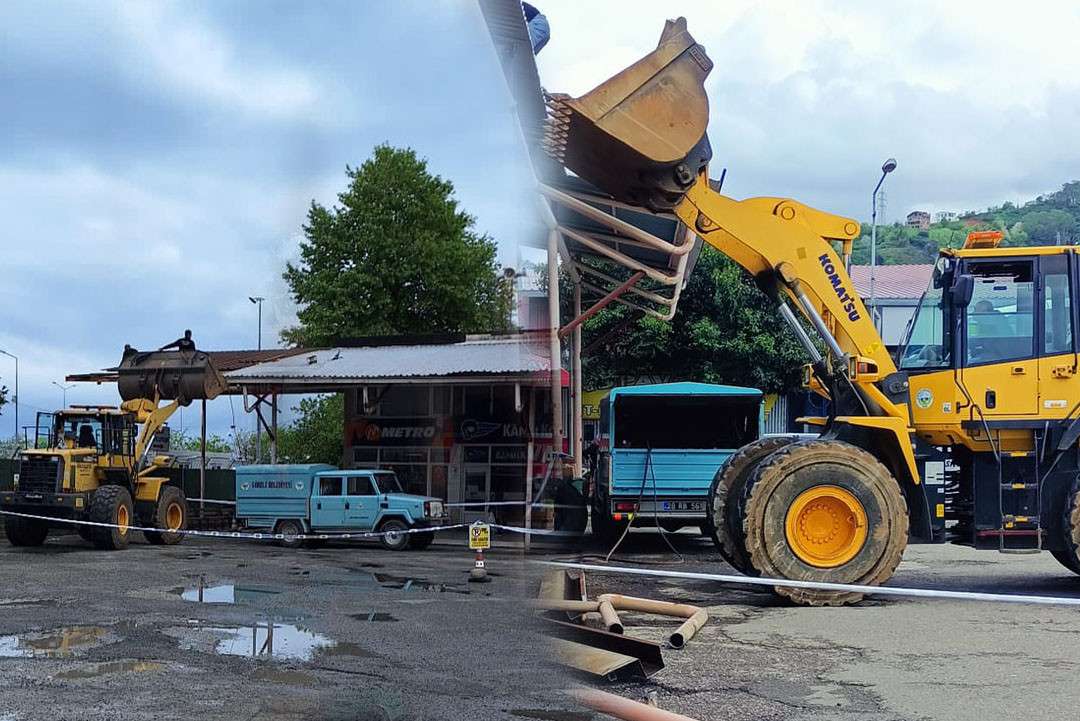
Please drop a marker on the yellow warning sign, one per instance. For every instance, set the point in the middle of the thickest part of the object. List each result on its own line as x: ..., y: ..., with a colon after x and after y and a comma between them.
x: 479, y: 536
x: 939, y: 511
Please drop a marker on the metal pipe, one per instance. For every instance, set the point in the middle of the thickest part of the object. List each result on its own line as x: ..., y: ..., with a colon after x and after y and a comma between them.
x: 623, y: 708
x: 688, y: 629
x: 648, y: 605
x: 598, y: 305
x: 578, y: 416
x: 568, y: 605
x: 611, y: 619
x: 796, y: 327
x: 555, y: 350
x: 816, y: 320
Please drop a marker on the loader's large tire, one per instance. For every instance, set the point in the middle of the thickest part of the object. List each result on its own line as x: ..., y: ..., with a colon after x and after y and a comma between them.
x: 824, y: 511
x: 171, y: 512
x: 1069, y: 556
x: 24, y: 532
x: 112, y: 505
x: 723, y: 523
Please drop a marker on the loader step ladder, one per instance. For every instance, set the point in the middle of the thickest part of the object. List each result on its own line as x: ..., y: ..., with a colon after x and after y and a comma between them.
x: 1017, y: 525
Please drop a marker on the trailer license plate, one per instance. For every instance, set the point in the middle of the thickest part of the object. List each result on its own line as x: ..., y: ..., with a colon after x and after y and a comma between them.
x: 684, y: 505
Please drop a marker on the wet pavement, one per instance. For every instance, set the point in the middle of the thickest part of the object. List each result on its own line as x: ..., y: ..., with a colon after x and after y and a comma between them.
x: 238, y: 630
x: 882, y: 660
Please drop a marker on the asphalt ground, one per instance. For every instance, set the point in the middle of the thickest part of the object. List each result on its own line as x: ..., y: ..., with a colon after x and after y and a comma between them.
x: 905, y: 659
x: 358, y: 633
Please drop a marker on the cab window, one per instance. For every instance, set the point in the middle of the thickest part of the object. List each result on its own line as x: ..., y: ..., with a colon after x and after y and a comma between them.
x: 330, y: 486
x: 1057, y: 306
x: 1000, y: 317
x: 360, y: 486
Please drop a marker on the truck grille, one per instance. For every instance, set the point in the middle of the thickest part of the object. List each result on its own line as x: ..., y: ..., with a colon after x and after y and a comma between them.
x: 40, y: 474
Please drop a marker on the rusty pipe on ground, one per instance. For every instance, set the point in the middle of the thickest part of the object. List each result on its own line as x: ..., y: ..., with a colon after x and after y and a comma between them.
x: 695, y: 615
x: 623, y: 708
x: 611, y: 619
x: 568, y: 605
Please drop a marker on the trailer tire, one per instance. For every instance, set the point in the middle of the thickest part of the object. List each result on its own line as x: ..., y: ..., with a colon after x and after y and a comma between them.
x: 824, y: 511
x: 25, y: 532
x: 290, y: 532
x: 1069, y: 555
x: 171, y: 512
x: 394, y: 537
x: 111, y: 505
x: 723, y: 523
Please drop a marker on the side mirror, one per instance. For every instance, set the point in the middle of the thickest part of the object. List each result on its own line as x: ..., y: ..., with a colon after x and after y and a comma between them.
x: 963, y: 287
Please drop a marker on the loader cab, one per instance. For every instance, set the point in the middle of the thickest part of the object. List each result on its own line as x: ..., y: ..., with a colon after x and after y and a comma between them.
x: 107, y: 431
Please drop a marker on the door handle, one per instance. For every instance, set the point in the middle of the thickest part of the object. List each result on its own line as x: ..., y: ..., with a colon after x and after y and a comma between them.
x: 991, y: 398
x: 318, y: 506
x: 346, y: 506
x: 1018, y: 370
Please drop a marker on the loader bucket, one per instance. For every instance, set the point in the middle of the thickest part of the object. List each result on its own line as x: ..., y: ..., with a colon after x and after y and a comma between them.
x: 174, y: 372
x: 640, y: 135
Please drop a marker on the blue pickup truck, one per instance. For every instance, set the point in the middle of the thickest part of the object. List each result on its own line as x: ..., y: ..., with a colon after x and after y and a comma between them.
x: 315, y: 498
x: 665, y: 443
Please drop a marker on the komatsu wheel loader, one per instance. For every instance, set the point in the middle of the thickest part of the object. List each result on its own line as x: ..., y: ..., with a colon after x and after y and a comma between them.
x: 95, y: 463
x: 970, y: 435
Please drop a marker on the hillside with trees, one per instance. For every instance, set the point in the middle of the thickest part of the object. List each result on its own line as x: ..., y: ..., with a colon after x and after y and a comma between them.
x: 1051, y: 219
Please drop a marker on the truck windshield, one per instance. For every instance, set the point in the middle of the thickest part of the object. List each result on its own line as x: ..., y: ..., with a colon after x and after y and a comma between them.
x: 388, y: 482
x: 927, y: 340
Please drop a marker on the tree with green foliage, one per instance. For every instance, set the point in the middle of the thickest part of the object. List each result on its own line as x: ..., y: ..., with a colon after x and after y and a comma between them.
x: 396, y: 255
x: 317, y: 435
x: 184, y: 441
x: 726, y: 331
x: 1050, y: 227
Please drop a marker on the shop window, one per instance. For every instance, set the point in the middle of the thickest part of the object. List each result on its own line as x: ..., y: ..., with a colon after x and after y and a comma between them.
x: 413, y: 478
x: 476, y: 454
x: 508, y: 483
x: 404, y: 455
x: 440, y: 455
x: 502, y: 401
x: 405, y: 401
x: 476, y: 401
x: 366, y: 455
x: 442, y: 400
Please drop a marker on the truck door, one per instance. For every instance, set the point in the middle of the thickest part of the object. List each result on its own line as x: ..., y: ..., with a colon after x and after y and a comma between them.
x: 328, y: 503
x: 361, y: 502
x: 1000, y: 368
x: 1059, y: 384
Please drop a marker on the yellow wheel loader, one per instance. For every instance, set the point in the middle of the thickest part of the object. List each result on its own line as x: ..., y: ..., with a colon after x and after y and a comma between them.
x: 970, y: 435
x: 94, y: 463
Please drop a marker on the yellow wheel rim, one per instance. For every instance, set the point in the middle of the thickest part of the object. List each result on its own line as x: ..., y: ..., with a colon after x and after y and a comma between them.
x: 174, y: 517
x: 122, y: 519
x: 826, y: 526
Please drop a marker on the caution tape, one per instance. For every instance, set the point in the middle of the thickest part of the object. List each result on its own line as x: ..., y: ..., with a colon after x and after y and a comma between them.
x: 824, y: 586
x: 274, y: 536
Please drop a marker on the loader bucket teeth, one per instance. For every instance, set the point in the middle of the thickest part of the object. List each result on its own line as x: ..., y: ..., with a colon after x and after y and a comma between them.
x: 640, y: 135
x: 175, y: 372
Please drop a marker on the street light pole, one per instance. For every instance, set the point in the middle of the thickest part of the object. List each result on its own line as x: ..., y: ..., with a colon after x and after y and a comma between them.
x: 258, y: 300
x: 64, y: 390
x: 9, y: 355
x: 887, y: 167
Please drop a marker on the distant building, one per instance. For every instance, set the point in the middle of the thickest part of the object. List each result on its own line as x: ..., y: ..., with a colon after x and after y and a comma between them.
x: 918, y: 219
x: 943, y: 216
x: 897, y: 290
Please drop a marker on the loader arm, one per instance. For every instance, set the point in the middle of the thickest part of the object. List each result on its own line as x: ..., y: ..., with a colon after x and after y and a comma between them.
x: 150, y: 418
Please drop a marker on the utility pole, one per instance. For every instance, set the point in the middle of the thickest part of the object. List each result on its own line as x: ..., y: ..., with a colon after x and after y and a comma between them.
x: 9, y: 355
x: 258, y: 300
x: 64, y: 389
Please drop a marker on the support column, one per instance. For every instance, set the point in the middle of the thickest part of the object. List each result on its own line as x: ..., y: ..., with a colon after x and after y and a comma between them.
x: 578, y: 431
x: 273, y: 429
x: 530, y: 426
x: 554, y: 322
x: 202, y: 460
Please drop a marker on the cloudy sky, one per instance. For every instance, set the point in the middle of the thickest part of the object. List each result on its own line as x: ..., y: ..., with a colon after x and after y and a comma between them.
x: 979, y: 102
x: 157, y: 160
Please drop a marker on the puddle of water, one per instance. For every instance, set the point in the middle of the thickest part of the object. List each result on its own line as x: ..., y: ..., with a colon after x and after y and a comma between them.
x: 374, y: 617
x: 346, y: 649
x: 106, y: 669
x: 59, y: 643
x: 263, y: 640
x: 225, y: 593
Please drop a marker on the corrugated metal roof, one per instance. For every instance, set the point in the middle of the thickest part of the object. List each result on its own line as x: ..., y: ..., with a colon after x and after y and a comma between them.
x: 892, y: 281
x: 478, y: 356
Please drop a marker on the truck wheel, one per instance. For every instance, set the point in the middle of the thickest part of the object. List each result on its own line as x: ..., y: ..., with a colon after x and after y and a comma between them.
x: 1069, y: 554
x: 394, y: 536
x: 824, y: 511
x: 290, y: 532
x: 420, y: 541
x: 25, y: 531
x: 111, y: 505
x: 171, y: 512
x: 723, y: 522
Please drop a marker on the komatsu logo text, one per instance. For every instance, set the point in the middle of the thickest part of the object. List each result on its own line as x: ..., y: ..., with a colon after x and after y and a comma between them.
x: 838, y: 287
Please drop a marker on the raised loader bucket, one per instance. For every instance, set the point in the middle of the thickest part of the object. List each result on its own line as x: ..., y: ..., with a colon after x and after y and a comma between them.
x: 175, y: 371
x: 639, y: 136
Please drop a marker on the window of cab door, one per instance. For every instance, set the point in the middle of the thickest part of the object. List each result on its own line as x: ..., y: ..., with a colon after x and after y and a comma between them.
x: 1000, y: 320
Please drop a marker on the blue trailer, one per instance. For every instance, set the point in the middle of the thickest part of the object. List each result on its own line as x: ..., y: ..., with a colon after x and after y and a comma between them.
x: 315, y: 498
x: 665, y: 444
